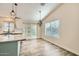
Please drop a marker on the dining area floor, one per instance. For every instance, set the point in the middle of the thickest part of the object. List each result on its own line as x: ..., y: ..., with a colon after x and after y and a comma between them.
x: 40, y: 47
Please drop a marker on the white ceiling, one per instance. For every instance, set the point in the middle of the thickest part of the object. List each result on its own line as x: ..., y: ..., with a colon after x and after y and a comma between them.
x: 28, y: 11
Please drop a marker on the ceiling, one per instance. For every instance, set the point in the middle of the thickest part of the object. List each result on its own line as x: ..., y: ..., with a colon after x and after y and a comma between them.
x: 28, y: 11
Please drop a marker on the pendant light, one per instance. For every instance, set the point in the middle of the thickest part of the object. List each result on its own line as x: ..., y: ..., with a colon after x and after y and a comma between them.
x: 40, y: 12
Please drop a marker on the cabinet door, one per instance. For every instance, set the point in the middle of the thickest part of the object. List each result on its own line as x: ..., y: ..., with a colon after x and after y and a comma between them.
x: 8, y: 48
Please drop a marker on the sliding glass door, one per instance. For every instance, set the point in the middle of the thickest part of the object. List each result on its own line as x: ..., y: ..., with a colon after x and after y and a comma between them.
x: 31, y: 31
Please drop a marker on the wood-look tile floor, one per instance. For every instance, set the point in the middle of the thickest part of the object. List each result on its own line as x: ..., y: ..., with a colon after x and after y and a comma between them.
x: 40, y: 47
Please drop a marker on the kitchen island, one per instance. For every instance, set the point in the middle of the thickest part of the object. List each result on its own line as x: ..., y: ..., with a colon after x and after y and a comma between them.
x: 10, y: 47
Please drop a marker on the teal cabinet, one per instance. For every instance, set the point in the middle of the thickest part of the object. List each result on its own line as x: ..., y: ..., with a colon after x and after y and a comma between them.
x: 9, y: 48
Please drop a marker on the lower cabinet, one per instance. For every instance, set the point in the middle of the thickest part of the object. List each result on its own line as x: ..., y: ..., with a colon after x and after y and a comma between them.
x: 9, y: 48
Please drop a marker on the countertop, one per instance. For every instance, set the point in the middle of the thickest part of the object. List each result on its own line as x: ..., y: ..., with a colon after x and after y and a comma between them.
x: 11, y: 40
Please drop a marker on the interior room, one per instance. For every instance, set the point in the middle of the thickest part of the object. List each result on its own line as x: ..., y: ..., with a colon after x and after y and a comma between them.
x: 39, y: 29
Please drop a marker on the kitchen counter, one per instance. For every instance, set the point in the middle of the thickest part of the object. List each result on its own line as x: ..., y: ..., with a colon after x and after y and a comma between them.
x: 1, y: 41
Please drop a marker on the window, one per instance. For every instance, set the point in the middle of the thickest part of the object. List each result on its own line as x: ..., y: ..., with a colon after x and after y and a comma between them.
x: 52, y: 28
x: 8, y: 26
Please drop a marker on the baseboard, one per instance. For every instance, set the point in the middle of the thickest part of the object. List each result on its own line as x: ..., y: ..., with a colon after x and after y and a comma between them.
x: 32, y: 38
x: 39, y: 38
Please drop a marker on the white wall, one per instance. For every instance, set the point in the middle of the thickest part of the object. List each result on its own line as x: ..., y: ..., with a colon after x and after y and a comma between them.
x: 68, y: 14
